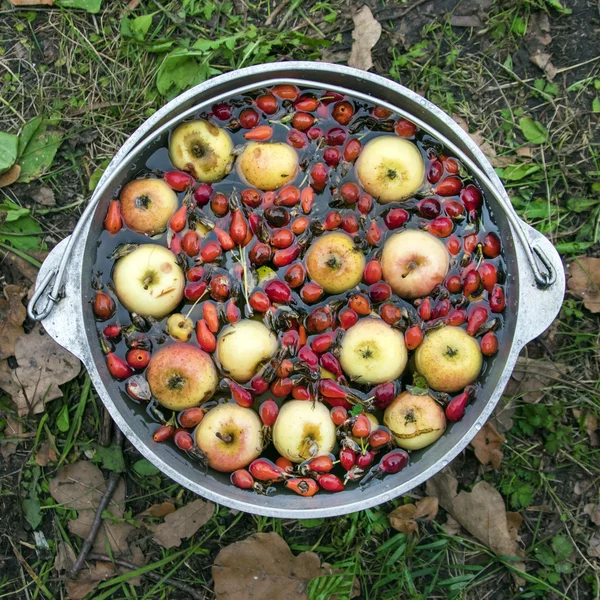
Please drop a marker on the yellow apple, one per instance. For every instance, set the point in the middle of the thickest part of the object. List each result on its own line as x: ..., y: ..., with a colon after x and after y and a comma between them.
x: 147, y: 205
x: 268, y: 166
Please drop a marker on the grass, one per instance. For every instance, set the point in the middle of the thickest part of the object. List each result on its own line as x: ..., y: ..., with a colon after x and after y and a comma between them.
x: 97, y: 77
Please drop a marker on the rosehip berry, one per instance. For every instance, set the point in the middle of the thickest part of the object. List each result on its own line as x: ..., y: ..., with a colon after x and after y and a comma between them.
x: 219, y: 205
x: 267, y: 104
x: 379, y: 438
x: 194, y: 291
x: 365, y: 203
x: 491, y: 245
x: 413, y: 337
x: 361, y: 427
x: 489, y: 275
x: 302, y: 486
x: 405, y: 128
x: 211, y: 250
x: 373, y: 272
x: 347, y: 318
x: 347, y: 458
x: 278, y: 291
x: 179, y: 181
x: 352, y: 150
x: 137, y: 358
x: 265, y: 470
x: 450, y: 186
x: 374, y: 235
x: 330, y: 483
x: 380, y: 292
x: 320, y: 464
x: 383, y: 395
x: 103, y: 306
x: 248, y: 118
x: 242, y: 479
x: 389, y: 313
x: 350, y: 225
x: 306, y: 103
x: 268, y: 412
x: 396, y: 217
x: 350, y: 193
x: 297, y: 139
x: 429, y: 208
x: 497, y: 300
x: 453, y: 245
x: 336, y: 136
x: 332, y: 157
x: 424, y: 309
x: 441, y: 227
x: 203, y: 193
x: 472, y: 282
x: 311, y: 293
x: 489, y: 344
x: 260, y: 254
x: 360, y: 304
x: 339, y: 415
x: 394, y: 461
x: 343, y: 112
x: 454, y: 284
x: 295, y: 275
x: 191, y: 417
x: 183, y: 440
x: 163, y: 433
x: 364, y: 459
x: 302, y: 121
x: 285, y: 464
x: 454, y: 209
x: 435, y: 170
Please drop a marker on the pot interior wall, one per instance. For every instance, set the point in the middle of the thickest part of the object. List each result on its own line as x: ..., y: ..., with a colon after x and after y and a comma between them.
x: 217, y: 486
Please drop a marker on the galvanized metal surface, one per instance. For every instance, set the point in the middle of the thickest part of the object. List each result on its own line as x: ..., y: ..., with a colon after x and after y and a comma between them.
x: 532, y: 310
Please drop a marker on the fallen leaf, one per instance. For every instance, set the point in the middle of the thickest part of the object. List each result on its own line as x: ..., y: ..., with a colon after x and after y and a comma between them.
x: 531, y: 377
x: 524, y: 152
x: 88, y: 579
x: 183, y: 523
x: 584, y: 281
x: 12, y: 431
x: 594, y: 547
x: 81, y: 486
x: 158, y: 510
x: 12, y: 315
x: 593, y: 510
x: 466, y: 21
x: 461, y: 122
x: 542, y: 60
x: 402, y: 519
x: 503, y: 414
x: 451, y: 526
x: 44, y: 195
x: 481, y: 512
x: 488, y: 446
x: 20, y: 267
x: 514, y: 520
x: 591, y: 426
x: 10, y: 176
x: 65, y: 557
x: 366, y: 34
x: 538, y: 28
x: 263, y: 566
x: 43, y: 366
x: 490, y: 152
x: 45, y: 454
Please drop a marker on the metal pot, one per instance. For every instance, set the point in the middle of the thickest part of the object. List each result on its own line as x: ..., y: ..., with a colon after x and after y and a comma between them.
x: 535, y: 288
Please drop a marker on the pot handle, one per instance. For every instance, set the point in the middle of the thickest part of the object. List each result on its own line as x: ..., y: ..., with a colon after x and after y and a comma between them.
x: 64, y: 320
x: 538, y: 307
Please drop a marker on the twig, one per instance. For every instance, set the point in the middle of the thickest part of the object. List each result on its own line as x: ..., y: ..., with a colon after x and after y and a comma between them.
x: 29, y: 259
x: 113, y: 481
x: 107, y: 427
x: 288, y: 14
x: 154, y: 576
x: 274, y: 14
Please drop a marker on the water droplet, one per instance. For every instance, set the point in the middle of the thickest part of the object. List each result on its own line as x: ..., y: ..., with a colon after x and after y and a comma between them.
x: 444, y: 463
x: 478, y: 426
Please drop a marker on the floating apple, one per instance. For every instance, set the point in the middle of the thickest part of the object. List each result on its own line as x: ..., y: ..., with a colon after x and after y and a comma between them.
x: 181, y: 376
x: 268, y: 166
x: 180, y: 327
x: 148, y: 281
x: 390, y: 168
x: 414, y: 421
x: 414, y: 262
x: 230, y: 437
x: 303, y: 430
x: 335, y: 262
x: 243, y: 347
x: 372, y: 352
x: 449, y: 359
x: 202, y: 149
x: 147, y: 205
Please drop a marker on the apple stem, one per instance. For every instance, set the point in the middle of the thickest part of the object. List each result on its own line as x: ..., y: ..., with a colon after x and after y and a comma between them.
x: 244, y: 263
x: 227, y: 438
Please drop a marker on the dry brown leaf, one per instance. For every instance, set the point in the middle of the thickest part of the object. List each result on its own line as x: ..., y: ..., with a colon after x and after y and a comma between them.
x: 481, y: 512
x: 531, y: 377
x: 12, y: 315
x: 488, y: 446
x: 593, y: 510
x: 514, y: 520
x: 402, y: 519
x: 461, y: 122
x: 10, y: 176
x: 466, y: 21
x: 88, y: 579
x: 44, y: 195
x: 594, y: 547
x: 524, y: 152
x: 490, y: 152
x: 538, y: 28
x: 366, y: 34
x: 451, y: 526
x: 12, y: 431
x: 427, y: 508
x: 543, y: 61
x: 503, y: 414
x: 45, y: 454
x: 263, y: 566
x: 158, y: 510
x: 183, y: 523
x: 81, y: 485
x: 584, y: 281
x: 65, y: 557
x: 43, y: 366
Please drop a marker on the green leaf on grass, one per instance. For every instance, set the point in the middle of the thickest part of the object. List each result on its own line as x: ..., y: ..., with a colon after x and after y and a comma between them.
x: 596, y: 105
x: 137, y: 28
x: 517, y: 172
x: 566, y: 248
x: 519, y: 27
x: 62, y: 421
x: 27, y: 133
x: 533, y: 131
x: 556, y: 5
x: 562, y: 547
x: 581, y: 204
x: 111, y: 457
x: 145, y: 468
x: 39, y: 152
x: 22, y: 226
x: 97, y: 174
x: 92, y: 6
x: 9, y: 144
x: 12, y: 212
x: 181, y: 69
x: 311, y: 523
x: 32, y: 510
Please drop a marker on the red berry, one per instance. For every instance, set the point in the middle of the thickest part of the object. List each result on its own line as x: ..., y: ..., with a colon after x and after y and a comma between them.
x: 285, y: 464
x: 322, y: 342
x: 248, y: 118
x: 373, y: 272
x: 179, y: 181
x: 364, y: 459
x: 112, y: 331
x: 350, y: 225
x: 453, y: 245
x: 413, y: 337
x: 332, y: 221
x: 260, y: 254
x: 191, y: 417
x: 497, y: 300
x: 347, y: 458
x: 330, y: 483
x: 350, y: 192
x: 163, y: 433
x: 297, y: 139
x: 389, y: 313
x: 405, y: 128
x: 219, y: 205
x: 332, y: 157
x: 311, y: 293
x: 295, y: 275
x: 441, y: 308
x: 491, y: 245
x: 302, y: 121
x: 429, y: 208
x: 456, y: 317
x: 454, y: 209
x: 454, y: 284
x: 471, y: 197
x: 394, y: 461
x: 321, y: 464
x: 336, y: 136
x: 472, y: 282
x: 361, y: 427
x: 283, y: 238
x: 489, y: 344
x: 489, y: 275
x: 138, y: 358
x: 318, y: 177
x: 435, y: 170
x: 383, y: 395
x: 455, y: 410
x: 242, y: 479
x: 365, y: 203
x: 183, y: 440
x: 103, y: 307
x: 380, y: 292
x: 268, y: 412
x: 306, y: 103
x: 278, y: 291
x: 379, y: 438
x: 396, y: 217
x: 203, y: 193
x: 191, y: 243
x: 347, y: 318
x: 339, y: 415
x: 441, y: 227
x: 267, y: 104
x: 352, y: 150
x: 265, y: 470
x: 476, y: 318
x: 450, y: 186
x: 302, y: 486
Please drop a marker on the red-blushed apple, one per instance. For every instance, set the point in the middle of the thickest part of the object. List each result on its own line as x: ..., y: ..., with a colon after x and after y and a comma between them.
x: 202, y: 149
x: 268, y: 166
x: 335, y: 262
x: 243, y: 347
x: 372, y: 352
x: 149, y: 281
x: 414, y: 421
x: 414, y: 262
x: 449, y: 359
x: 181, y: 376
x: 390, y: 168
x: 303, y: 430
x: 147, y: 205
x: 230, y: 437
